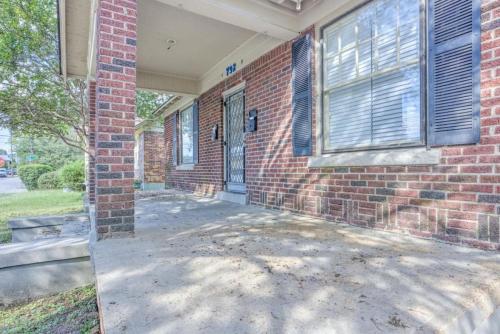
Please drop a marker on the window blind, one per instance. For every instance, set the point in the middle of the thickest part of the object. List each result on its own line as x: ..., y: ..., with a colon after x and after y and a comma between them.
x: 187, y: 136
x: 372, y: 76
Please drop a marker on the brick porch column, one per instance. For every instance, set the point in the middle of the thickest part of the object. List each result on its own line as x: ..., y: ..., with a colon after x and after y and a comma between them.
x: 91, y: 141
x: 115, y: 117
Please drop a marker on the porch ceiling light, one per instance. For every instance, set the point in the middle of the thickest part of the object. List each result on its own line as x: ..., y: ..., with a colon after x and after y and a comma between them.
x: 170, y: 44
x: 286, y: 3
x: 298, y: 6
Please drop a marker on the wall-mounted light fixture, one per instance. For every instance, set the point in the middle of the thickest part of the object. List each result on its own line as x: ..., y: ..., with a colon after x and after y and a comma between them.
x: 170, y: 44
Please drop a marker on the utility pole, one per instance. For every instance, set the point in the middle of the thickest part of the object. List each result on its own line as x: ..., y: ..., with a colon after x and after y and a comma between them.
x: 11, y: 149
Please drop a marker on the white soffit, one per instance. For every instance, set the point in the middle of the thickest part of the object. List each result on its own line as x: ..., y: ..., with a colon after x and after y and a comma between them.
x: 247, y: 14
x: 77, y: 14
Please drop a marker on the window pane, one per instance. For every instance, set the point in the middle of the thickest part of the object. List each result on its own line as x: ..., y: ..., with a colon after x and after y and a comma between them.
x: 332, y: 43
x: 372, y: 76
x: 348, y: 35
x: 386, y: 34
x: 396, y: 106
x: 350, y: 117
x: 187, y: 135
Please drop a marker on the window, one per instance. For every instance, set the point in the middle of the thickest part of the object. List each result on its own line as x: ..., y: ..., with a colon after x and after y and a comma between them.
x: 372, y: 77
x: 186, y: 136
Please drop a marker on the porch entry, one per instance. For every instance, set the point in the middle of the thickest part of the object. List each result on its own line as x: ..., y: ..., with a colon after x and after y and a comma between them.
x: 234, y: 142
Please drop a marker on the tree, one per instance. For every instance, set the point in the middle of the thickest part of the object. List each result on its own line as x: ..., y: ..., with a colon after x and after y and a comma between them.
x: 48, y: 151
x: 148, y: 102
x: 34, y: 98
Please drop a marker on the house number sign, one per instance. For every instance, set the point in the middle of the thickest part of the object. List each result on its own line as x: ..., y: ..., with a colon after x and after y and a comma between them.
x: 230, y: 69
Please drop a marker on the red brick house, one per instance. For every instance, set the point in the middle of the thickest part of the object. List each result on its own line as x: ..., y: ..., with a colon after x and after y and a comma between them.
x: 149, y: 156
x: 381, y: 113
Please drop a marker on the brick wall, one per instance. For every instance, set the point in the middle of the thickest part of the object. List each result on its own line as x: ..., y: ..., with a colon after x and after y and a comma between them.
x: 207, y: 176
x: 154, y: 157
x: 115, y: 117
x: 457, y: 200
x: 91, y: 142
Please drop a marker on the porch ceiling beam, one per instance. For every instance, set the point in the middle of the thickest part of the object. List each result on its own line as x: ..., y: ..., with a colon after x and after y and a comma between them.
x: 244, y: 14
x: 167, y: 84
x: 179, y: 103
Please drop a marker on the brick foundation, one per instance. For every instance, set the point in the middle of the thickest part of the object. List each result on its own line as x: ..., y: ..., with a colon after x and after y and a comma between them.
x: 457, y: 200
x: 115, y: 116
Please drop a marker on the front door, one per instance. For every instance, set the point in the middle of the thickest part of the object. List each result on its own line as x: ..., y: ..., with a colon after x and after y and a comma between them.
x: 235, y: 142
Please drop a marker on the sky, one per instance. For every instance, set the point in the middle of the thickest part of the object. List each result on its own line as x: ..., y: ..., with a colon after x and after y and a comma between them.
x: 5, y: 139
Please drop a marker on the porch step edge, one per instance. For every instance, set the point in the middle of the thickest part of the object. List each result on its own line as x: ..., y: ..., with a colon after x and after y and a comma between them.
x: 232, y: 197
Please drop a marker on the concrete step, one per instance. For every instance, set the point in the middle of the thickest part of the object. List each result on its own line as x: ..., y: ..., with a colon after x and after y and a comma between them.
x: 232, y: 197
x: 38, y: 268
x: 26, y: 229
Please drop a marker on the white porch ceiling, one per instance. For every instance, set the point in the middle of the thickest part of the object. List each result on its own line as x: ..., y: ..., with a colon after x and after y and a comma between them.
x: 209, y: 35
x: 200, y: 42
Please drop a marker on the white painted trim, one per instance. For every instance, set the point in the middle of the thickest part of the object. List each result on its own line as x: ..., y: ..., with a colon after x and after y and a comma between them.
x: 393, y: 157
x: 325, y: 11
x: 233, y: 90
x: 183, y: 103
x: 91, y: 56
x: 167, y: 83
x: 244, y: 14
x: 62, y: 29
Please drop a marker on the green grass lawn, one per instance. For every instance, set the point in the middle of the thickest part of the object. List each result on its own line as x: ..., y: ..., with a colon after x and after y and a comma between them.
x: 36, y: 203
x: 74, y: 311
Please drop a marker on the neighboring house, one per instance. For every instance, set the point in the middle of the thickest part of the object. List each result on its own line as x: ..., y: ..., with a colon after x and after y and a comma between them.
x: 381, y: 113
x: 150, y: 156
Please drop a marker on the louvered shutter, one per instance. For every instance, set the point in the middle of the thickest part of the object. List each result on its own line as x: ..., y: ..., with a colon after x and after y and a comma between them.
x: 454, y: 71
x: 196, y: 131
x: 302, y: 99
x: 174, y: 140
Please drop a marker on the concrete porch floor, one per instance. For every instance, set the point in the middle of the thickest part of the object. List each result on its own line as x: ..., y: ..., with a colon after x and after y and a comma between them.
x: 205, y: 266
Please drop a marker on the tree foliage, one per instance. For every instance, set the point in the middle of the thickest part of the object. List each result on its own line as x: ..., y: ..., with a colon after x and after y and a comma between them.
x: 29, y: 174
x: 34, y: 98
x: 48, y: 151
x: 148, y: 102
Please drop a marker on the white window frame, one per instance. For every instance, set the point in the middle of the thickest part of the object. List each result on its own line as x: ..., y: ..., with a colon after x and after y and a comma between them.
x: 181, y: 144
x: 323, y: 106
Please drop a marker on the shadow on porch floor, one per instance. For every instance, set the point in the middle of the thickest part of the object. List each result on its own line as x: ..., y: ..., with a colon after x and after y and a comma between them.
x: 205, y: 266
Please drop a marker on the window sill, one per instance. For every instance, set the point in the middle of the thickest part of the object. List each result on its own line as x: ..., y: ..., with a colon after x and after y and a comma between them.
x: 185, y: 167
x: 391, y: 157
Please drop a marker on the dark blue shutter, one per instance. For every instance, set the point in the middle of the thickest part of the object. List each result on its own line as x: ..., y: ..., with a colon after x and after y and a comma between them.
x: 454, y: 71
x: 196, y: 131
x: 302, y: 96
x: 174, y: 139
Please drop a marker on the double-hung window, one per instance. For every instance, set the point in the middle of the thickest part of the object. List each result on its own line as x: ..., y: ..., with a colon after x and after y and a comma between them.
x: 372, y: 77
x: 186, y: 136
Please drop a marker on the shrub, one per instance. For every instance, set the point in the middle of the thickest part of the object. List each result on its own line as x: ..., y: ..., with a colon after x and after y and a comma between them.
x: 50, y: 180
x: 73, y: 175
x: 29, y: 174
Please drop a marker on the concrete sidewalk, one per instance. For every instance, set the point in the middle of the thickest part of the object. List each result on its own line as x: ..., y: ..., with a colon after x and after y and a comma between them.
x: 11, y: 184
x: 204, y: 266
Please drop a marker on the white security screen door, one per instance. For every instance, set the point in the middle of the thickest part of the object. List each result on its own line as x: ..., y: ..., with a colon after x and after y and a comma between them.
x: 235, y: 142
